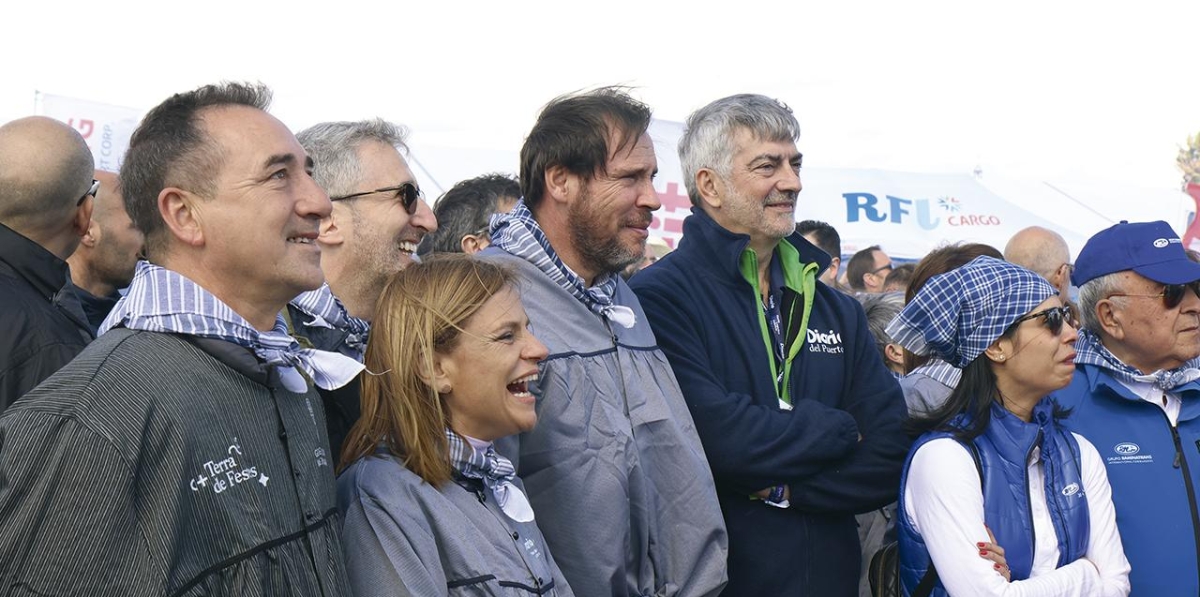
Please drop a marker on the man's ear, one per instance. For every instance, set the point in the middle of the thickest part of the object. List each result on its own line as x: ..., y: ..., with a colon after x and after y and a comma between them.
x: 92, y: 237
x: 561, y: 184
x: 331, y: 233
x: 474, y: 243
x: 894, y: 353
x: 1112, y: 320
x: 82, y: 222
x: 710, y: 187
x: 181, y: 214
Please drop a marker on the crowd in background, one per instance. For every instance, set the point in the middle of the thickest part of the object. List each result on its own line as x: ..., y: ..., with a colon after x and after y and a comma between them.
x: 262, y: 363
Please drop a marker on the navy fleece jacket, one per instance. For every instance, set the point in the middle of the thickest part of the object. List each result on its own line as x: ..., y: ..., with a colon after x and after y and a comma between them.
x: 702, y: 301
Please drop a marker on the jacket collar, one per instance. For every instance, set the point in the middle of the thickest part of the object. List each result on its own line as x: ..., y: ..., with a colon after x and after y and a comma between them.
x: 723, y: 248
x: 1100, y: 382
x: 44, y: 271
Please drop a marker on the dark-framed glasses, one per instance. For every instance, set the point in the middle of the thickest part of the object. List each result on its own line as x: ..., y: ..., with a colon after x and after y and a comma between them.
x: 1171, y: 295
x: 879, y: 269
x: 91, y: 192
x: 1053, y: 318
x: 407, y: 194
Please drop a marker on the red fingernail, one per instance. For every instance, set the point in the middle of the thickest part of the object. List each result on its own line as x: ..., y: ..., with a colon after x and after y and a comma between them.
x: 981, y: 544
x: 996, y: 566
x: 983, y: 552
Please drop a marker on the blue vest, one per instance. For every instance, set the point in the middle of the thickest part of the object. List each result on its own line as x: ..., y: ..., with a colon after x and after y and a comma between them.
x: 1002, y: 452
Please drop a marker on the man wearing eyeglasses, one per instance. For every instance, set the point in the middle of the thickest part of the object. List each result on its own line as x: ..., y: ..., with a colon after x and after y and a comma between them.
x: 46, y: 192
x: 379, y: 217
x: 799, y: 417
x: 108, y: 254
x: 868, y: 269
x: 1136, y: 395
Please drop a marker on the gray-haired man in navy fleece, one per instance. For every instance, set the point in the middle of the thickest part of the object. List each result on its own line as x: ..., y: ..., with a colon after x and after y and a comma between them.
x: 800, y: 419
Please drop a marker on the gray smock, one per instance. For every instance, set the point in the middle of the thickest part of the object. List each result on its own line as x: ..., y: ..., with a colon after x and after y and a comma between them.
x: 614, y: 469
x: 163, y: 464
x: 404, y: 537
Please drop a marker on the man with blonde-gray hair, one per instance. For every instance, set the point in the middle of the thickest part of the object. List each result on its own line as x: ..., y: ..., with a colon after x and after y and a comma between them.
x: 379, y: 217
x: 799, y: 418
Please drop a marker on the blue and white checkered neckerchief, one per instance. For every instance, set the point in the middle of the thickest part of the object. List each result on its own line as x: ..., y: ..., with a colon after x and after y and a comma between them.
x: 495, y: 471
x: 958, y: 314
x: 1089, y: 351
x: 161, y: 300
x: 327, y: 311
x: 519, y: 234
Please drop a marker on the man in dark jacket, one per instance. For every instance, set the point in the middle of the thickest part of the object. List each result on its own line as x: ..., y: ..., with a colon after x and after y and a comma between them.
x: 46, y: 194
x: 799, y: 418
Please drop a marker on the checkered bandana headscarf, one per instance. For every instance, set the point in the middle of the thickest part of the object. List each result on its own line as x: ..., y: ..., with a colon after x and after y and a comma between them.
x: 958, y: 314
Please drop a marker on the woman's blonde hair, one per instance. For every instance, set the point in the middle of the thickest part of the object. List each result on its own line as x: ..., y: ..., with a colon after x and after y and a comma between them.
x: 421, y: 313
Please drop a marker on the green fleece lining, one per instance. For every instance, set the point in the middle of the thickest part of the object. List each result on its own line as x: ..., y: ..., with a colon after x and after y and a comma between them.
x: 802, y: 281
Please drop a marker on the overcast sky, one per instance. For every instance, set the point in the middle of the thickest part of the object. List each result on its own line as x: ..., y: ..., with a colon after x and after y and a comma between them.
x: 1085, y: 91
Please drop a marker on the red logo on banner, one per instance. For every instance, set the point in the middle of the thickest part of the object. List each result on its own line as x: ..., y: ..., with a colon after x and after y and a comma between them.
x: 668, y: 220
x: 85, y: 127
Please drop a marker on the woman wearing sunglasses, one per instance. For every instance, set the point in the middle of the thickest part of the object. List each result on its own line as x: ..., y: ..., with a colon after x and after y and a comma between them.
x: 994, y: 456
x: 430, y: 508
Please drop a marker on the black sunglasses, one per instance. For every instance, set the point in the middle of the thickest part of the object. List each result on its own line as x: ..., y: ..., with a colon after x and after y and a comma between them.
x: 1172, y: 294
x: 1052, y: 317
x: 91, y: 192
x: 407, y: 193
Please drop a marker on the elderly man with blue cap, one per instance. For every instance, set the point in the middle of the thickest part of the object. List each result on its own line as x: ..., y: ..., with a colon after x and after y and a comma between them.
x: 1136, y: 395
x: 995, y: 458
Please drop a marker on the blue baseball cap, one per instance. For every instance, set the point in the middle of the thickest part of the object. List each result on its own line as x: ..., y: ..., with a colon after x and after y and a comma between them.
x: 1150, y: 249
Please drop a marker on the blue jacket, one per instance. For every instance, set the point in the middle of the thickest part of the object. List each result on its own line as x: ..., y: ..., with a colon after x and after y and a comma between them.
x: 708, y: 320
x: 1154, y: 472
x: 1002, y: 452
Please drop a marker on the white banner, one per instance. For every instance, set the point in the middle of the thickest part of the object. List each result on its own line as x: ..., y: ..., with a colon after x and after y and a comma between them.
x: 105, y: 128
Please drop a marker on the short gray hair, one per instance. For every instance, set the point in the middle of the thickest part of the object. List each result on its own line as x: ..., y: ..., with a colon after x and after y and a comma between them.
x: 333, y: 147
x: 880, y: 309
x: 1090, y: 295
x: 707, y: 140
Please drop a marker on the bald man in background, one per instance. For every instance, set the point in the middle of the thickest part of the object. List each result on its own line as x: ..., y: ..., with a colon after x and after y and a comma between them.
x: 107, y: 255
x: 1045, y: 253
x: 46, y: 195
